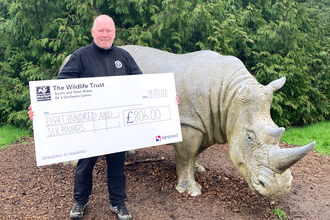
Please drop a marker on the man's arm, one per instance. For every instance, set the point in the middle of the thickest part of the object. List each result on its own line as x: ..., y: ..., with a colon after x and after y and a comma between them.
x: 72, y: 69
x: 134, y: 69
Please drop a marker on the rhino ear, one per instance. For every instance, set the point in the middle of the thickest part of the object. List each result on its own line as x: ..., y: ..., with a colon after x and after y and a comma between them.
x: 277, y: 84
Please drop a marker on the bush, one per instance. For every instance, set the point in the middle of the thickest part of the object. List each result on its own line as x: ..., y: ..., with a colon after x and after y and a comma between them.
x: 273, y: 38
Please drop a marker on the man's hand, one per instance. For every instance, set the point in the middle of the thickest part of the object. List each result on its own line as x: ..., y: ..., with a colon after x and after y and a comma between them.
x: 177, y: 99
x: 30, y: 112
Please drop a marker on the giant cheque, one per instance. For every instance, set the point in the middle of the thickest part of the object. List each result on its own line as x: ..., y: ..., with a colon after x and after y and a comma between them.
x: 86, y: 117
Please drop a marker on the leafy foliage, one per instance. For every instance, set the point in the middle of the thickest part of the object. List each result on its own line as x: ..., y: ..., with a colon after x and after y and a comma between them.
x: 273, y: 38
x: 279, y: 213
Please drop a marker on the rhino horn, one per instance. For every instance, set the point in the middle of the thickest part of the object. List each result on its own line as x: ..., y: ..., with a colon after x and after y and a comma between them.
x: 277, y: 84
x: 274, y: 135
x: 282, y: 159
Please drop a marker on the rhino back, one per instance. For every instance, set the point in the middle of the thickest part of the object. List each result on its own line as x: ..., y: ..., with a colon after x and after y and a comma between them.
x: 205, y: 81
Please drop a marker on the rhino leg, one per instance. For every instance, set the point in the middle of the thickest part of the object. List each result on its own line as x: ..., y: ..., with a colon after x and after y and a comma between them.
x: 185, y: 158
x: 74, y: 162
x: 70, y: 163
x: 129, y: 153
x: 198, y: 168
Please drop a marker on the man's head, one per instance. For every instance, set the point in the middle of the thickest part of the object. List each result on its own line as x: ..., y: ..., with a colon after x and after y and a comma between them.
x: 103, y: 31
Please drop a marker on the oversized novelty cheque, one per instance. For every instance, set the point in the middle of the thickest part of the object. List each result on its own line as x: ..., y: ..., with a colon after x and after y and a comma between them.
x: 86, y: 117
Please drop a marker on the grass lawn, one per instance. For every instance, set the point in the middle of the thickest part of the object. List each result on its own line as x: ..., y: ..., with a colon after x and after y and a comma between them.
x: 319, y: 132
x: 10, y: 134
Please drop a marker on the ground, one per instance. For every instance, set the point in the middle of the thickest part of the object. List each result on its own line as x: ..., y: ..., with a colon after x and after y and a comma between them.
x: 31, y: 192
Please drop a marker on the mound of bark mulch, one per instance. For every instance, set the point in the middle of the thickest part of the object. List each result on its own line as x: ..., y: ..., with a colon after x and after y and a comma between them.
x: 31, y: 192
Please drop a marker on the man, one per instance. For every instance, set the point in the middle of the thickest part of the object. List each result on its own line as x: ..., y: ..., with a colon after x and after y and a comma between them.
x: 100, y: 58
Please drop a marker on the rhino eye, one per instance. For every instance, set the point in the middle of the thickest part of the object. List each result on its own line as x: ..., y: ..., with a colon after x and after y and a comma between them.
x: 250, y: 137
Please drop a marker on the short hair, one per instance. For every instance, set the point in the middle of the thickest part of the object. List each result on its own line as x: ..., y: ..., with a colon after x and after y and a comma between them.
x: 103, y: 16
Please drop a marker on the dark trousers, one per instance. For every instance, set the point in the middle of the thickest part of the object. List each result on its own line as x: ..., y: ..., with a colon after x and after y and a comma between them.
x: 116, y: 178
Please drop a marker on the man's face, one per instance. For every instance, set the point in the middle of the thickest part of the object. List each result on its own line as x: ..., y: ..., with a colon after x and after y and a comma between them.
x: 104, y: 32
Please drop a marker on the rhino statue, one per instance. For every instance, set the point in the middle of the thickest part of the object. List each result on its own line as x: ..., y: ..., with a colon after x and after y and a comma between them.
x: 220, y: 102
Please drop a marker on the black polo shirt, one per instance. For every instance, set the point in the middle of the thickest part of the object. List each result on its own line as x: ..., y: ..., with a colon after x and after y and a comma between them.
x: 93, y: 61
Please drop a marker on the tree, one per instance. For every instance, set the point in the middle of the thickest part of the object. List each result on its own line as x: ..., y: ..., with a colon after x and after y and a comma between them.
x: 273, y: 39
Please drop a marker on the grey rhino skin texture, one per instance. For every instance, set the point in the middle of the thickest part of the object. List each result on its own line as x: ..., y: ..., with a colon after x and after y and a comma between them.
x: 220, y: 102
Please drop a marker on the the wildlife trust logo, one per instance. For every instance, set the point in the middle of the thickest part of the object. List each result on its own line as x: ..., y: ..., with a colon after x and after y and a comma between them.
x: 43, y: 93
